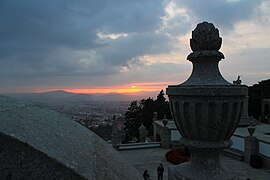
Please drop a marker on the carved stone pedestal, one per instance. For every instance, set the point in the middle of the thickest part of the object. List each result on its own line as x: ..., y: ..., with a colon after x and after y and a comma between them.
x: 206, y: 109
x: 204, y: 165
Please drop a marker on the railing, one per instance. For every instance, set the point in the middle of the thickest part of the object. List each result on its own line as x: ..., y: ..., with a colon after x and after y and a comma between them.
x: 238, y: 143
x: 175, y: 135
x: 142, y: 145
x: 264, y: 148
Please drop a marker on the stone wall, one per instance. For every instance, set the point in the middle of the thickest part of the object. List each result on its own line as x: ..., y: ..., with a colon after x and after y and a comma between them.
x: 164, y: 133
x: 20, y: 161
x: 37, y: 143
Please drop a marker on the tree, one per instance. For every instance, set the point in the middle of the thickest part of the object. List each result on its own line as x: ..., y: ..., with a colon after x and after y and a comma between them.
x: 160, y: 96
x: 104, y: 132
x: 132, y: 120
x: 146, y: 115
x: 162, y: 106
x: 142, y: 112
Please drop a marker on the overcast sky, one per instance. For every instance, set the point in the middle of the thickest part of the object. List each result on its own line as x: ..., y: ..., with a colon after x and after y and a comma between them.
x: 120, y: 45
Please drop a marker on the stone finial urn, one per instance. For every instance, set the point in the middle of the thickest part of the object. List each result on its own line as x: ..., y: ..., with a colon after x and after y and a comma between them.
x: 206, y: 108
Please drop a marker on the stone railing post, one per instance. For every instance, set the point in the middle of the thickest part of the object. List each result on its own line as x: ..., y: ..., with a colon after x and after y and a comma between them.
x: 251, y: 145
x: 166, y: 138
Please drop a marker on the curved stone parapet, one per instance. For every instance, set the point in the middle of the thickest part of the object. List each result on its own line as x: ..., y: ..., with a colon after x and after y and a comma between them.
x: 38, y: 143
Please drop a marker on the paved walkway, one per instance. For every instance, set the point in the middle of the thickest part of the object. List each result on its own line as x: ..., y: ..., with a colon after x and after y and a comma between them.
x: 150, y: 158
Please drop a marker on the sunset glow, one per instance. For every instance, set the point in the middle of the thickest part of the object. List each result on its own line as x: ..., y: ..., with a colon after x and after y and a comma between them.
x: 102, y: 52
x: 138, y: 87
x: 131, y: 89
x: 120, y: 89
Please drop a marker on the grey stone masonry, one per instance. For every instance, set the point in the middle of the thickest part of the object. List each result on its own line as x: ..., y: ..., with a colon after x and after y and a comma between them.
x: 21, y: 161
x: 206, y: 108
x: 42, y: 144
x: 245, y: 120
x: 166, y: 138
x: 251, y: 147
x: 164, y: 132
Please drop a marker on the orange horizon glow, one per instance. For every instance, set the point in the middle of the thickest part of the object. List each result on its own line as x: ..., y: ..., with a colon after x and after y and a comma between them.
x: 131, y: 89
x: 128, y: 89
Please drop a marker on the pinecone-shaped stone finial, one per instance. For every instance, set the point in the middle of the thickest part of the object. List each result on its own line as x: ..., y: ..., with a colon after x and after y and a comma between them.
x: 205, y: 37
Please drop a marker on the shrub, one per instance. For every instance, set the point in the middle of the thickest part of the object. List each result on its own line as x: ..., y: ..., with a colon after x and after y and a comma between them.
x: 177, y: 156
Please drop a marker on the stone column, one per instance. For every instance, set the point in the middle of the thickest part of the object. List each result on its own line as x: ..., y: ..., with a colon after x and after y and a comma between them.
x: 165, y: 137
x: 114, y: 133
x: 142, y: 131
x: 245, y: 119
x: 251, y: 145
x: 155, y: 114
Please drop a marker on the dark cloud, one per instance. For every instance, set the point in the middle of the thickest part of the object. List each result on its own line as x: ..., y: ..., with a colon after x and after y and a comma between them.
x: 223, y: 13
x: 51, y: 38
x: 35, y: 25
x: 131, y: 16
x: 71, y: 42
x: 135, y: 45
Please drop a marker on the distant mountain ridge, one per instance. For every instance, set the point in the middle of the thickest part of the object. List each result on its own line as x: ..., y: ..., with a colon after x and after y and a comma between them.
x: 60, y: 96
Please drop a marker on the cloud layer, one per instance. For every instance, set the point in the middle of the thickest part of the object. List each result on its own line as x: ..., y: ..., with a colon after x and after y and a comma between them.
x: 90, y: 43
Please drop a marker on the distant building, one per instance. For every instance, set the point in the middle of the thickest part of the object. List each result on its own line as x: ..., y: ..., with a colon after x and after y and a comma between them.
x: 259, y: 101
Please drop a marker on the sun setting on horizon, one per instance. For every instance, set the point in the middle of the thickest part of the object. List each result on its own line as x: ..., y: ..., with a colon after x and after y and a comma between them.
x: 130, y: 89
x: 124, y: 89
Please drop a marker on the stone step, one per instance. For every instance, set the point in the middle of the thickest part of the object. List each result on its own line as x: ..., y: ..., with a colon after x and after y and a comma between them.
x: 234, y: 153
x: 139, y: 146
